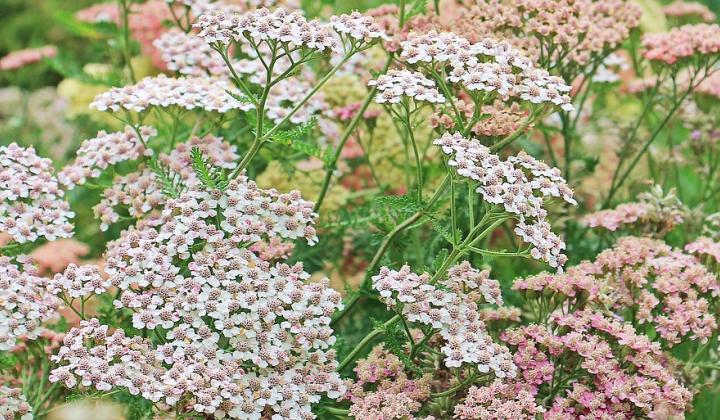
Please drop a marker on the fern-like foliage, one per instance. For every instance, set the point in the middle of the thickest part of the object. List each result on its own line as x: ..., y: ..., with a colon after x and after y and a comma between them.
x: 170, y: 182
x: 293, y: 138
x: 212, y: 177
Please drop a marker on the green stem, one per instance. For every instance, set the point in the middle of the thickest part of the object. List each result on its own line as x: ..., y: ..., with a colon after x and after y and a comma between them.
x: 365, y: 341
x: 125, y: 7
x: 344, y: 138
x: 384, y: 246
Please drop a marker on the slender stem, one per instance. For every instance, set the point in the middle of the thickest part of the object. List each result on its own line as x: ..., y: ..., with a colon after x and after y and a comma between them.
x: 365, y: 341
x: 456, y: 388
x: 384, y: 246
x: 614, y: 189
x: 344, y: 138
x: 125, y: 6
x: 310, y: 94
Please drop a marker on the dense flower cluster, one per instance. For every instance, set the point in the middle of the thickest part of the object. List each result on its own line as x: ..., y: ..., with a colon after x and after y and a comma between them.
x: 563, y: 31
x: 682, y: 43
x: 659, y: 285
x: 140, y: 191
x: 280, y: 25
x: 627, y: 373
x: 513, y: 183
x: 188, y: 54
x: 188, y: 93
x: 31, y: 201
x: 624, y: 214
x: 21, y: 58
x: 497, y: 400
x: 97, y: 154
x: 24, y: 303
x: 396, y: 84
x: 78, y: 282
x: 357, y: 26
x: 383, y: 390
x: 13, y: 404
x: 655, y: 213
x: 275, y: 324
x: 704, y: 246
x: 487, y: 66
x: 454, y: 312
x: 680, y: 8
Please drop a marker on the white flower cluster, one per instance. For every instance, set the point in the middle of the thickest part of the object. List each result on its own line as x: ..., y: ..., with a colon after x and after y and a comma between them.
x: 140, y: 192
x: 13, y: 404
x: 97, y: 154
x: 513, y: 183
x: 453, y: 312
x: 488, y: 66
x: 243, y: 338
x: 24, y: 303
x: 188, y: 54
x: 31, y: 201
x: 398, y: 83
x: 262, y: 25
x: 78, y: 282
x: 209, y: 94
x: 357, y: 26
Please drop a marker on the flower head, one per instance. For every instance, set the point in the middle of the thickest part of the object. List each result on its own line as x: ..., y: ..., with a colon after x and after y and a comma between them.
x: 31, y: 201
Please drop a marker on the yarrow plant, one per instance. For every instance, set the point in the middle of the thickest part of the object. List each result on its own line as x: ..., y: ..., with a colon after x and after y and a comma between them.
x: 273, y: 210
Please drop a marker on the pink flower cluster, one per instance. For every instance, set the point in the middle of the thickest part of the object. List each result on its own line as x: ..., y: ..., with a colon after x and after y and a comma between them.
x: 383, y: 390
x: 140, y: 191
x: 574, y: 285
x: 710, y: 86
x: 680, y: 8
x: 453, y: 312
x: 31, y: 201
x: 188, y: 54
x: 655, y: 213
x: 704, y: 246
x: 97, y: 154
x: 190, y: 93
x: 682, y: 43
x: 396, y: 84
x: 658, y: 285
x: 78, y: 282
x: 626, y: 375
x: 498, y: 400
x: 24, y: 303
x: 262, y: 25
x: 487, y: 66
x: 242, y: 337
x: 513, y: 183
x: 13, y: 404
x: 613, y: 219
x: 21, y: 58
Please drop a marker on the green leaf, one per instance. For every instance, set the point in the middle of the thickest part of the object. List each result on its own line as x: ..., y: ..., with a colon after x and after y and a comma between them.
x: 293, y: 139
x: 212, y: 177
x: 169, y: 181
